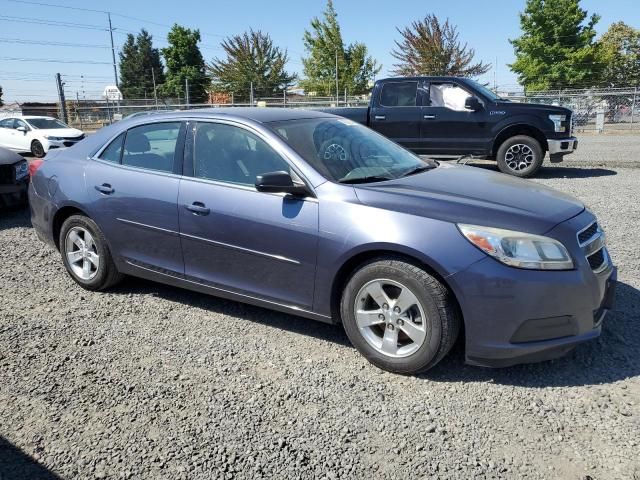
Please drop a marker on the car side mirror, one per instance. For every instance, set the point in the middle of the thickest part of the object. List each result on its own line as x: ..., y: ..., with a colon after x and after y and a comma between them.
x: 280, y: 182
x: 22, y: 129
x: 472, y: 103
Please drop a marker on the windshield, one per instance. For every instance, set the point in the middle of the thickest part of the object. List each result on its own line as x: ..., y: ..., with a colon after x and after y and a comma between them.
x: 485, y: 91
x: 347, y: 152
x: 45, y: 123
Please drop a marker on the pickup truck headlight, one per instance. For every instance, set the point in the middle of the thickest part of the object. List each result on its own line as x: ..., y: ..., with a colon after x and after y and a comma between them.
x: 519, y: 249
x: 558, y: 121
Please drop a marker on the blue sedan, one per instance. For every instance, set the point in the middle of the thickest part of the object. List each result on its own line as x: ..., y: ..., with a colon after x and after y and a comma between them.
x: 315, y: 215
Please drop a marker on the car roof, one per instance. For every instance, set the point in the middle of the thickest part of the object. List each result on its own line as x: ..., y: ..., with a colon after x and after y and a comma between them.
x: 257, y: 114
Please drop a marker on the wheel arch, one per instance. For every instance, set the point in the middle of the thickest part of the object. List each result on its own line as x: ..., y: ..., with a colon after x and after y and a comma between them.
x: 351, y: 264
x: 59, y: 218
x: 519, y: 129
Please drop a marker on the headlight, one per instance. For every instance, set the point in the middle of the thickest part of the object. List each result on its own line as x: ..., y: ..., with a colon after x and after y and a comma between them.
x: 22, y: 170
x: 557, y: 122
x: 50, y: 137
x: 518, y: 249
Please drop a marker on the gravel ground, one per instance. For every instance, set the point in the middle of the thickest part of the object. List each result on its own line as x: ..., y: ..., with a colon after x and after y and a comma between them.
x: 150, y: 382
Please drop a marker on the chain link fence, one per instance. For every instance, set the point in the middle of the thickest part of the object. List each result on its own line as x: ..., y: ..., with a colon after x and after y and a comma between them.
x: 594, y: 110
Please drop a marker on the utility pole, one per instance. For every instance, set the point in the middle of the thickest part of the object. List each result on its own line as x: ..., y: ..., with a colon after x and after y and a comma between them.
x: 155, y: 91
x: 337, y: 98
x: 63, y: 103
x: 113, y: 51
x: 78, y: 109
x: 186, y: 91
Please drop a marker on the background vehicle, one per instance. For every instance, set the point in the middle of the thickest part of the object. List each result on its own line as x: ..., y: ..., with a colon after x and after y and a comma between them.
x: 14, y: 178
x: 37, y: 134
x: 457, y: 116
x: 318, y: 216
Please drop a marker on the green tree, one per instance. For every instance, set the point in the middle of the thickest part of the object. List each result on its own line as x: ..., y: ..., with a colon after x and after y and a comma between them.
x: 185, y: 62
x: 356, y: 69
x: 619, y: 52
x: 138, y: 59
x: 429, y: 47
x: 251, y: 57
x: 556, y: 49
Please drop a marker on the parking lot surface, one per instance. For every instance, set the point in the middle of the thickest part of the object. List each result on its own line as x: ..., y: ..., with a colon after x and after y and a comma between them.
x: 148, y: 381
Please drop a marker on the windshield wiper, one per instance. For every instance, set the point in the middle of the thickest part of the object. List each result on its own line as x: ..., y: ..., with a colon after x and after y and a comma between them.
x: 371, y: 178
x: 418, y: 169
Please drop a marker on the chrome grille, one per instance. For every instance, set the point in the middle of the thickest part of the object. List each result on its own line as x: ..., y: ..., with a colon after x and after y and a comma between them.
x: 592, y: 241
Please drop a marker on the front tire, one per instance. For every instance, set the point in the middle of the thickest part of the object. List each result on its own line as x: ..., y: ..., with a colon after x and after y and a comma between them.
x: 86, y: 255
x: 520, y: 156
x: 398, y: 316
x: 37, y: 150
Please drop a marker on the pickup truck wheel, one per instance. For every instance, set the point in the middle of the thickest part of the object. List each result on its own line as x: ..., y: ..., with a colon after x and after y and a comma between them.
x: 399, y: 317
x: 520, y: 156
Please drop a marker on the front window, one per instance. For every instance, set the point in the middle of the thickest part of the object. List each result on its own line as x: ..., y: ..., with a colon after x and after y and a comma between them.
x: 448, y: 95
x: 46, y: 123
x: 347, y: 152
x: 485, y: 91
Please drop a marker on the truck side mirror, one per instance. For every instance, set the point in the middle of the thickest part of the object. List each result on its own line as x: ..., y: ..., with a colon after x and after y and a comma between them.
x: 472, y: 103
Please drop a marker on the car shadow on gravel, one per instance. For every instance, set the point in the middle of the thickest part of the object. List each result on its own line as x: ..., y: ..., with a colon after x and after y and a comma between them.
x: 14, y: 218
x: 611, y: 358
x: 244, y: 311
x: 548, y: 172
x: 18, y: 465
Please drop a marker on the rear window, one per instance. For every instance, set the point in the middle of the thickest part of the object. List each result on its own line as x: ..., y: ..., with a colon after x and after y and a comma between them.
x: 152, y: 146
x: 399, y: 94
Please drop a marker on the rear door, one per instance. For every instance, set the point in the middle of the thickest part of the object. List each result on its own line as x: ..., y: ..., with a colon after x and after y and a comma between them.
x: 233, y: 237
x: 447, y: 126
x: 133, y: 187
x: 396, y: 112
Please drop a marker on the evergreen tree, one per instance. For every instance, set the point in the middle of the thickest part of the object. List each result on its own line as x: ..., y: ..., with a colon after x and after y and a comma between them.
x: 429, y: 47
x: 619, y: 52
x: 137, y: 60
x: 251, y: 58
x: 356, y: 69
x: 185, y: 62
x: 556, y: 49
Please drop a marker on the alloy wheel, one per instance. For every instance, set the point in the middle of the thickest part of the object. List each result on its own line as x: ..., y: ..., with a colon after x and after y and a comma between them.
x: 390, y: 318
x: 519, y: 157
x: 82, y: 253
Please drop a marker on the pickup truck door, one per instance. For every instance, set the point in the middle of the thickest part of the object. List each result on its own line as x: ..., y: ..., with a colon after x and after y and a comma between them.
x: 448, y: 127
x: 396, y: 112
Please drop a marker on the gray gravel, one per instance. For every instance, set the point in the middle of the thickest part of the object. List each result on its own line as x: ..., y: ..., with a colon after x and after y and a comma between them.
x: 150, y: 382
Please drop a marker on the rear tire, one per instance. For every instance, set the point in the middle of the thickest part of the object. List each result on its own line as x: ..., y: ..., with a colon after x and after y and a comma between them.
x: 410, y: 327
x: 520, y: 156
x: 37, y: 150
x: 85, y: 254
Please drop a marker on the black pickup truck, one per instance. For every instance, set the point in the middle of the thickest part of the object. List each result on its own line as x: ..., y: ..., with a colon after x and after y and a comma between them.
x: 457, y: 116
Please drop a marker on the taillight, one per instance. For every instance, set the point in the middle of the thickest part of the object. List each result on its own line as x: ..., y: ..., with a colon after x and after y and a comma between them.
x: 34, y: 165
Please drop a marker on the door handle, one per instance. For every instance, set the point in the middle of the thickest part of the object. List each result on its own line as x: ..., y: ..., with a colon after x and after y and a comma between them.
x: 105, y: 188
x: 380, y: 117
x: 429, y: 117
x: 198, y: 208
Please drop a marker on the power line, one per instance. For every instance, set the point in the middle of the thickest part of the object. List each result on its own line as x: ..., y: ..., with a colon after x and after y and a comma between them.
x: 51, y: 60
x: 55, y: 23
x: 50, y: 43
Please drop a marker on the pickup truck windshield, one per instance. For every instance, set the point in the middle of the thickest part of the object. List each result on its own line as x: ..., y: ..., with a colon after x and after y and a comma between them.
x: 347, y: 152
x: 485, y: 91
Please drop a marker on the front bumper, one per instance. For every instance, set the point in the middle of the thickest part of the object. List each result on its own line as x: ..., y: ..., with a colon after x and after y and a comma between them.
x: 64, y: 143
x: 514, y: 316
x: 562, y: 146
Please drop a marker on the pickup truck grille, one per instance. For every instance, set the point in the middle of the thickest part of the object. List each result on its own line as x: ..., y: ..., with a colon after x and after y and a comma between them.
x: 7, y: 174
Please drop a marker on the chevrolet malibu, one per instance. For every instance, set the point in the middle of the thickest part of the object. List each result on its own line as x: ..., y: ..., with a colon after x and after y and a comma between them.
x: 318, y: 216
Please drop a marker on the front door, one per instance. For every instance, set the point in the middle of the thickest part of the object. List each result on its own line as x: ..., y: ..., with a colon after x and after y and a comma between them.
x: 234, y: 237
x: 448, y: 127
x: 396, y: 112
x: 133, y: 186
x: 6, y: 134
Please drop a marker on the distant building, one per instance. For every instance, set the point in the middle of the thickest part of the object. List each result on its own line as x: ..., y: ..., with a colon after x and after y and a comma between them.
x: 29, y: 108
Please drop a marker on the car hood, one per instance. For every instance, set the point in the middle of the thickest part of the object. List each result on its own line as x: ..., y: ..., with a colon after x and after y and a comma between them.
x: 549, y: 109
x: 464, y: 194
x: 7, y: 157
x: 59, y: 132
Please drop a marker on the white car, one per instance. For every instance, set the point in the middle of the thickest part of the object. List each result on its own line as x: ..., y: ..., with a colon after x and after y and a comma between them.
x: 37, y: 134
